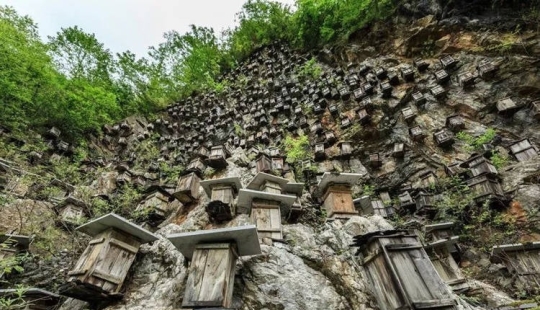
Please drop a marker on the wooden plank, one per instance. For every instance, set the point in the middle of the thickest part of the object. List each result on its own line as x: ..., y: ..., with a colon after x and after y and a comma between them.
x: 195, y: 277
x: 435, y: 303
x: 402, y: 246
x: 77, y: 272
x: 124, y: 246
x: 96, y: 241
x: 216, y: 276
x: 107, y: 277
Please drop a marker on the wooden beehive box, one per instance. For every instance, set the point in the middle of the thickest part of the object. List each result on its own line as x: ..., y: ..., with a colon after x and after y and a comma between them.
x: 263, y: 163
x: 218, y: 157
x: 523, y: 150
x: 202, y: 151
x: 467, y: 79
x: 364, y: 117
x: 277, y: 164
x: 400, y: 272
x: 375, y: 160
x: 196, y: 166
x: 316, y: 128
x: 408, y: 114
x: 440, y: 244
x: 53, y: 133
x: 398, y: 150
x: 213, y: 254
x: 345, y: 149
x: 426, y: 204
x: 535, y: 109
x: 72, y: 211
x: 448, y: 62
x: 187, y: 189
x: 371, y: 206
x: 319, y: 152
x: 421, y: 64
x: 222, y: 193
x: 522, y: 260
x: 438, y: 91
x: 486, y: 70
x: 443, y: 138
x: 478, y: 165
x: 157, y: 205
x: 386, y: 89
x: 507, y: 106
x: 104, y: 265
x: 330, y: 138
x: 417, y: 134
x: 32, y: 299
x: 455, y: 123
x: 337, y: 194
x: 427, y: 179
x: 486, y: 188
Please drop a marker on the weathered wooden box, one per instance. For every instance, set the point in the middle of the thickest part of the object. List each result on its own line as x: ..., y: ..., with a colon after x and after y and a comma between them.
x: 345, y: 149
x: 337, y: 194
x: 442, y: 76
x: 523, y: 150
x: 507, y: 106
x: 157, y: 205
x: 400, y: 272
x: 399, y: 150
x: 187, y: 189
x: 486, y: 188
x: 196, y: 166
x: 417, y: 134
x: 448, y: 62
x: 263, y: 163
x: 408, y: 114
x: 421, y: 64
x: 102, y: 268
x: 218, y: 157
x: 478, y: 165
x: 72, y: 211
x: 319, y: 152
x: 455, y: 122
x: 364, y: 117
x: 522, y: 261
x: 222, y: 193
x: 213, y: 255
x: 375, y: 160
x: 443, y: 138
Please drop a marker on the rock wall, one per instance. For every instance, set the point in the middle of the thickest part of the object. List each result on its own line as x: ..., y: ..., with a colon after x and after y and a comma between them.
x: 362, y: 92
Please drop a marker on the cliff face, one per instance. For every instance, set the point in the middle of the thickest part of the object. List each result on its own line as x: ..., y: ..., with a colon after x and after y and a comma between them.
x: 279, y: 93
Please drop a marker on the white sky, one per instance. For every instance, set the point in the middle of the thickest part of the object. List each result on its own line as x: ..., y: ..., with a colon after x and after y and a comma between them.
x: 129, y: 24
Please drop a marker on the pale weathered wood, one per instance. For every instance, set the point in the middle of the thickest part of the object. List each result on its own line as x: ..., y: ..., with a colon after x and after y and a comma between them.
x: 267, y: 217
x: 338, y: 200
x: 211, y: 277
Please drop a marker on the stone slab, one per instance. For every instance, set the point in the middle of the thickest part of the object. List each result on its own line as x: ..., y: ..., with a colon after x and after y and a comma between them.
x: 295, y: 188
x: 515, y: 247
x: 246, y: 196
x: 245, y: 237
x: 207, y: 184
x: 430, y: 228
x: 338, y: 178
x: 98, y: 225
x: 261, y: 177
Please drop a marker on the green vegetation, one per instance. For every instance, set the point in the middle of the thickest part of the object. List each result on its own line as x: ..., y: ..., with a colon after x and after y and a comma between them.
x: 16, y: 301
x: 473, y: 143
x: 310, y: 69
x: 75, y: 83
x: 297, y: 149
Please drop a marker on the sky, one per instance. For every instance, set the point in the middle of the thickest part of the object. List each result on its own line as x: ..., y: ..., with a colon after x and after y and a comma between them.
x: 129, y: 24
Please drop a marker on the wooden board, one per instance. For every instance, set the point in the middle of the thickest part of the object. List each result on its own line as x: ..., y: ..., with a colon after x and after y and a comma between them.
x: 338, y: 199
x: 106, y: 261
x: 267, y: 218
x: 211, y: 277
x: 402, y: 276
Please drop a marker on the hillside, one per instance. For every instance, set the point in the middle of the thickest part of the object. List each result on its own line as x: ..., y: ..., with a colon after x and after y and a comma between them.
x: 432, y: 112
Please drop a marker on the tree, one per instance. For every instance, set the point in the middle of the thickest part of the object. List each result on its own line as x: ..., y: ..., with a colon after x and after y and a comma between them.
x: 80, y: 55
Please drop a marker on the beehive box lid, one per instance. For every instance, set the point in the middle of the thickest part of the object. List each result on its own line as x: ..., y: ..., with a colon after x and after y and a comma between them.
x: 338, y: 178
x: 515, y: 247
x: 245, y: 237
x: 295, y: 188
x: 246, y: 196
x: 438, y: 226
x: 98, y: 225
x: 262, y: 177
x: 207, y: 184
